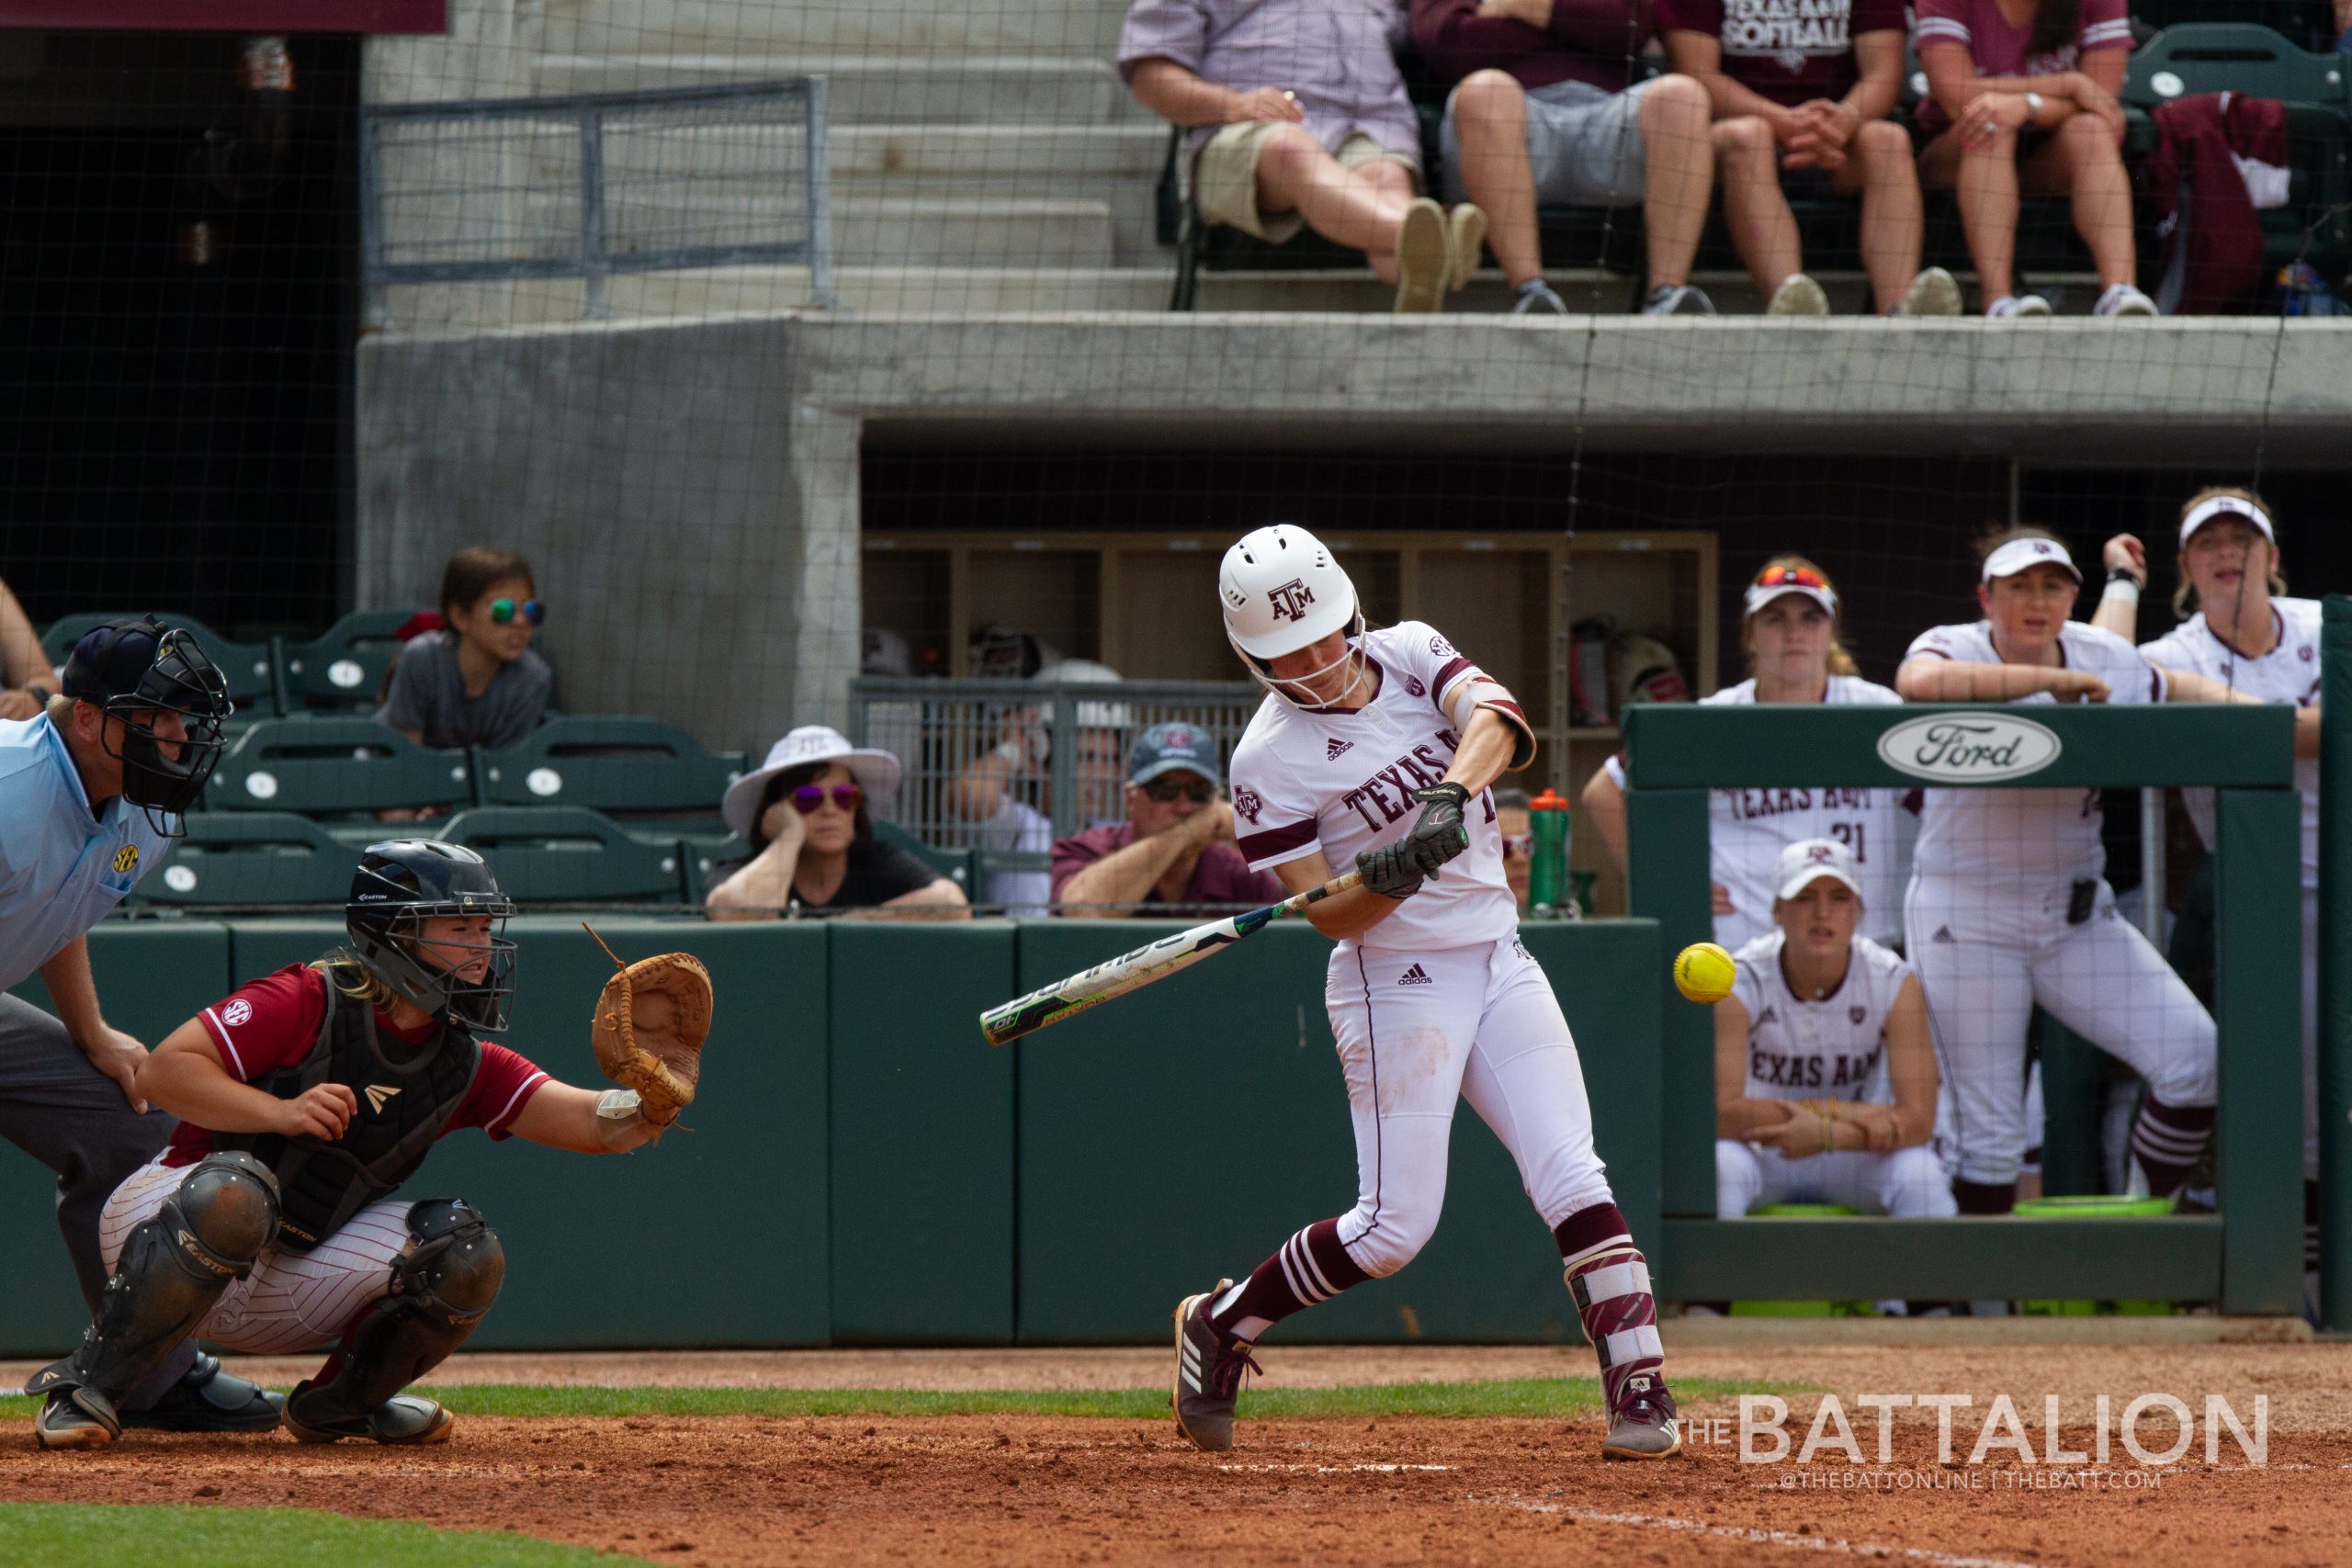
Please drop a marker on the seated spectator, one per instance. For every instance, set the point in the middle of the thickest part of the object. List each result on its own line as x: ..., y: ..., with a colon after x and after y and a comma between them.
x: 1519, y: 841
x: 806, y: 814
x: 1299, y: 118
x: 1801, y: 92
x: 1547, y: 113
x: 475, y: 682
x: 1006, y: 793
x: 27, y: 677
x: 2030, y: 105
x: 1825, y: 1071
x: 1174, y: 854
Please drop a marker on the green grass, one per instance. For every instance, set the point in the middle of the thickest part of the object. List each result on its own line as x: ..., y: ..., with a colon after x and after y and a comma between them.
x: 87, y: 1535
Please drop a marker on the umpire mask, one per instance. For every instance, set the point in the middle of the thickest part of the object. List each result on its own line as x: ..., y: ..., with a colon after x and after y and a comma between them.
x: 136, y: 671
x: 404, y: 883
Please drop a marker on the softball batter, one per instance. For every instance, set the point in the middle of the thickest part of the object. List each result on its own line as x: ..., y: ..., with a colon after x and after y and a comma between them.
x: 1375, y: 749
x: 1789, y: 626
x: 2008, y: 905
x: 1825, y: 1070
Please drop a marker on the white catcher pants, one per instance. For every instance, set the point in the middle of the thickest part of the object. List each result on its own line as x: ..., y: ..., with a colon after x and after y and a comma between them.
x: 1984, y: 966
x: 291, y: 1300
x: 1909, y: 1183
x: 1417, y: 1031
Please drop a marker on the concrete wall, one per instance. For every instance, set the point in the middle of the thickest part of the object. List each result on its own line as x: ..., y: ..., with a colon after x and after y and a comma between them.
x: 689, y: 490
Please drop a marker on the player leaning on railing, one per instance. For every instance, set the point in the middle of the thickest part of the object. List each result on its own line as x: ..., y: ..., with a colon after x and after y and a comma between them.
x: 1378, y: 748
x: 2010, y: 907
x: 2239, y: 629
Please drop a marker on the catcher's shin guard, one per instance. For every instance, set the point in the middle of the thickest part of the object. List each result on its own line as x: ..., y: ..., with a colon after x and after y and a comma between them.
x: 173, y: 1268
x: 441, y: 1288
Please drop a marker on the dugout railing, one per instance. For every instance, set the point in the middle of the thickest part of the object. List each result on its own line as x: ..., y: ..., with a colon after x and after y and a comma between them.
x: 2247, y: 1256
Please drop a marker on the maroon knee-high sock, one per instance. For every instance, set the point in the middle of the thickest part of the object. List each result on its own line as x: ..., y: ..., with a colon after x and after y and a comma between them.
x: 1310, y: 1267
x: 1610, y: 1281
x: 2167, y: 1141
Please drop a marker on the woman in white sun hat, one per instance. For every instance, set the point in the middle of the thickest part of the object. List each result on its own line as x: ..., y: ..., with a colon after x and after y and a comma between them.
x: 807, y: 816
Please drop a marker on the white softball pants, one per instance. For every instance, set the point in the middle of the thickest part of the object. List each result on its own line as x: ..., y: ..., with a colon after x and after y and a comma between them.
x: 291, y: 1300
x: 1984, y: 966
x: 1418, y: 1030
x: 1909, y: 1183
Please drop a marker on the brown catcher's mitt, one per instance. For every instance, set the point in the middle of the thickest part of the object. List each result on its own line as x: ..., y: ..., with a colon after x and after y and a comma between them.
x: 649, y: 1025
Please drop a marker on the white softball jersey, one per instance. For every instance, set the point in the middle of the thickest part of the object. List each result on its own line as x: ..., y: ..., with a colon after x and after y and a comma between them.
x: 2288, y: 674
x: 1343, y: 783
x: 2023, y: 845
x: 1829, y: 1048
x: 1747, y: 828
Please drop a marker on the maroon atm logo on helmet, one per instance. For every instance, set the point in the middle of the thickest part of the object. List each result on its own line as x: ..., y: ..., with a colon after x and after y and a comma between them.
x: 1246, y: 802
x: 1291, y: 599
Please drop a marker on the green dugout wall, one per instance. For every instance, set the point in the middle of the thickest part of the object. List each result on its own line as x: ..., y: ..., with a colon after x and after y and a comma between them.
x: 2249, y: 1257
x: 861, y: 1168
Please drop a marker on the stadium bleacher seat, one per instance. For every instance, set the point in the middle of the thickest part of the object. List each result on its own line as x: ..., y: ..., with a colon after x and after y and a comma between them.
x: 249, y: 669
x: 566, y: 854
x: 2308, y: 24
x: 340, y: 670
x: 251, y: 858
x: 327, y: 765
x: 956, y: 864
x: 625, y: 767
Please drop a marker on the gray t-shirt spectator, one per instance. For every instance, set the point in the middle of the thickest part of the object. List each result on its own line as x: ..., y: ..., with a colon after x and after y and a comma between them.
x: 1337, y: 56
x: 428, y: 697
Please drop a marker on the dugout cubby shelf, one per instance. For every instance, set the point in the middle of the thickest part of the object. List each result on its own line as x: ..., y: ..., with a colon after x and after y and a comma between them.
x: 1140, y: 603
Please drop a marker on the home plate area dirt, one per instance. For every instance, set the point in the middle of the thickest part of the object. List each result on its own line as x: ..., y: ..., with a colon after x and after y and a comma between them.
x: 1021, y: 1489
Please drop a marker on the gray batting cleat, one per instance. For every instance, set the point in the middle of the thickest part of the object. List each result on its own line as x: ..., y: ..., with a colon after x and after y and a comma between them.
x: 402, y: 1421
x: 1209, y: 1366
x: 1645, y: 1425
x: 76, y: 1418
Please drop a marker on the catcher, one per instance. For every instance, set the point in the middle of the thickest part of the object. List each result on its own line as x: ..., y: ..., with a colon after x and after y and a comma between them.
x: 305, y: 1098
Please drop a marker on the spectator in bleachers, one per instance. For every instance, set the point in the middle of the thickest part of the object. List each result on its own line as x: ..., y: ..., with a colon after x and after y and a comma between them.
x: 1801, y: 95
x: 1299, y: 119
x: 1518, y: 842
x: 807, y: 815
x: 1174, y: 853
x: 27, y: 677
x: 475, y: 682
x: 1006, y: 792
x: 1547, y: 113
x: 2030, y: 105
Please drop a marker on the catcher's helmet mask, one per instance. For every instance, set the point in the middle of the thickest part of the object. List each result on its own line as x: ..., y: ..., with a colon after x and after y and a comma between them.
x: 175, y: 677
x: 404, y: 883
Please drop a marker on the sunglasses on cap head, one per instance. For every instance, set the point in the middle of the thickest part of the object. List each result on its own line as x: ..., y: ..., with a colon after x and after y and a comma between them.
x: 1792, y: 577
x: 504, y: 611
x: 807, y: 797
x: 1199, y: 791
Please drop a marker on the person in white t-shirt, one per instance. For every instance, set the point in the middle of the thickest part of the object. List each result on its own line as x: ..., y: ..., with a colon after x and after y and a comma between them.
x: 1790, y: 629
x: 1825, y: 1070
x: 1376, y: 750
x: 2009, y: 906
x: 2238, y: 628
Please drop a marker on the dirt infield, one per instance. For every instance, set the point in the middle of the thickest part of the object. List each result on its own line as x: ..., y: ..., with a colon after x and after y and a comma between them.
x: 993, y: 1489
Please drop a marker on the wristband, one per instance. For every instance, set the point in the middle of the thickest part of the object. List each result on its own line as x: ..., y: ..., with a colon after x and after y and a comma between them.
x: 2123, y: 588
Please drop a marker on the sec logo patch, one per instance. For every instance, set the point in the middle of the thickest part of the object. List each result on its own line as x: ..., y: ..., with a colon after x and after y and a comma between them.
x: 126, y: 859
x: 236, y: 1012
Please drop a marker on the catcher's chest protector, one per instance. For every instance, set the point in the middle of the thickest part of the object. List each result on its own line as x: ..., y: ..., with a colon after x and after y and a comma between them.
x: 404, y: 1102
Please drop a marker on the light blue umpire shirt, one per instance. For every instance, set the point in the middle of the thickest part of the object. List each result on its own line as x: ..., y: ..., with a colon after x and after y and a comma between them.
x: 61, y: 868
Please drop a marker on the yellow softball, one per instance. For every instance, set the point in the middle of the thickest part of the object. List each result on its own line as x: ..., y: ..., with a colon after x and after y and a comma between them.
x: 1702, y: 972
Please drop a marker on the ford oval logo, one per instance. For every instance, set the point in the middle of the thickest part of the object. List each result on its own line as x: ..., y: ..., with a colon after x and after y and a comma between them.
x: 1968, y: 748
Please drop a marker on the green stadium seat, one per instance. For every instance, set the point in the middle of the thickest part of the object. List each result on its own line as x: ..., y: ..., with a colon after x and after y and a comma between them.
x: 566, y: 854
x: 341, y: 670
x: 250, y: 668
x: 324, y: 765
x: 956, y: 864
x: 251, y: 858
x: 625, y: 767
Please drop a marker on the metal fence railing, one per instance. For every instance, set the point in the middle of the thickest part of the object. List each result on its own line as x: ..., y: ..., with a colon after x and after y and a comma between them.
x: 592, y: 185
x: 1005, y: 767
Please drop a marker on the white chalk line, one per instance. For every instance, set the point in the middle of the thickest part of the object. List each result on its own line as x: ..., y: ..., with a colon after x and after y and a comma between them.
x: 1757, y: 1536
x: 1326, y: 1469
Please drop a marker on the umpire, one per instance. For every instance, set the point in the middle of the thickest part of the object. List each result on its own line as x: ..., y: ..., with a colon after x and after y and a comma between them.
x: 92, y: 791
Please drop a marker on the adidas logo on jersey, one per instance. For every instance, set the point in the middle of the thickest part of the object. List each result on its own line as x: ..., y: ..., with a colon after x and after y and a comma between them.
x: 1416, y: 975
x: 377, y: 1094
x: 1335, y: 749
x: 1770, y: 1015
x: 1943, y: 934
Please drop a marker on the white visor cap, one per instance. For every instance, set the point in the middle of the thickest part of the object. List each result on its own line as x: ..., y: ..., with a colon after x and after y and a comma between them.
x: 2205, y: 511
x: 2019, y: 554
x: 1807, y: 861
x: 1281, y: 590
x: 1760, y: 594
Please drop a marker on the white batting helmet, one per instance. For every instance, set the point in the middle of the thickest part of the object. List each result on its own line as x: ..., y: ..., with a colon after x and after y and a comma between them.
x: 1280, y: 589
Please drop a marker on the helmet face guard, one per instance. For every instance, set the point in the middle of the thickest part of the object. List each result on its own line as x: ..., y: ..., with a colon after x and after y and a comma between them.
x: 1294, y: 689
x: 163, y: 774
x: 389, y: 907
